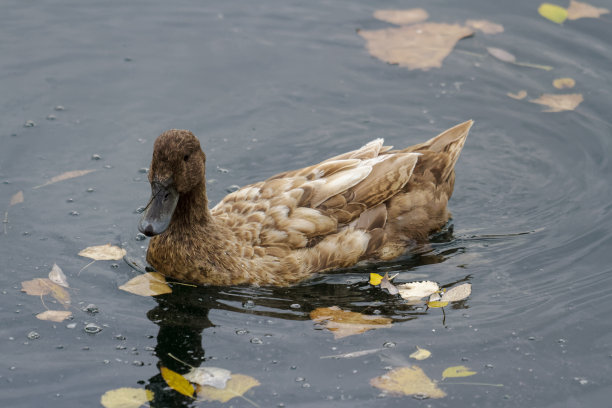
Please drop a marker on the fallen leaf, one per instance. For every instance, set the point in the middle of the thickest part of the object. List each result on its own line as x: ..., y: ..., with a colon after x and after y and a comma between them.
x: 54, y: 315
x: 345, y: 323
x: 375, y: 279
x: 236, y: 386
x: 42, y: 286
x: 559, y: 102
x: 106, y: 252
x: 522, y: 94
x: 126, y: 398
x: 177, y: 382
x: 553, y: 12
x: 147, y: 284
x: 501, y: 55
x: 485, y: 26
x: 420, y: 354
x: 402, y: 17
x: 385, y: 283
x: 436, y: 303
x: 17, y: 198
x: 420, y: 46
x: 57, y: 276
x: 60, y: 294
x: 578, y: 10
x: 457, y: 293
x: 417, y: 290
x: 457, y: 371
x: 66, y: 176
x: 213, y: 376
x: 354, y: 354
x: 408, y: 381
x: 561, y: 83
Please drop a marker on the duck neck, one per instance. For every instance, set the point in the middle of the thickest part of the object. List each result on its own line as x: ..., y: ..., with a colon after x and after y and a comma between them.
x: 192, y: 208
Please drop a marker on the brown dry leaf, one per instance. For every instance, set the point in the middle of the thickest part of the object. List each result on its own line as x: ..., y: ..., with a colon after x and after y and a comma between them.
x: 236, y: 386
x: 420, y: 46
x: 345, y: 323
x: 408, y: 381
x: 402, y: 17
x: 66, y: 176
x: 147, y: 284
x: 559, y: 102
x: 41, y: 287
x: 561, y: 83
x: 17, y: 198
x: 126, y: 398
x: 522, y: 94
x: 54, y: 315
x: 486, y: 26
x: 57, y: 276
x: 578, y: 10
x: 106, y: 252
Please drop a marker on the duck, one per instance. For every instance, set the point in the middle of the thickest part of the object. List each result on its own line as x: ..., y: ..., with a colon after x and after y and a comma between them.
x: 367, y: 205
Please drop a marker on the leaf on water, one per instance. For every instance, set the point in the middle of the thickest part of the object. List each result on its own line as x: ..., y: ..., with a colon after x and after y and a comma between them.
x: 436, y: 303
x: 420, y: 354
x: 501, y: 55
x: 106, y: 252
x: 375, y: 279
x: 486, y: 26
x: 57, y: 276
x: 54, y: 315
x: 553, y: 12
x: 408, y: 381
x: 147, y: 284
x: 457, y: 293
x: 457, y: 371
x: 213, y: 376
x: 236, y: 386
x: 402, y: 17
x: 417, y: 290
x: 36, y: 287
x: 420, y: 46
x: 559, y: 102
x: 345, y: 323
x: 522, y: 94
x: 578, y: 10
x: 17, y: 198
x: 66, y: 176
x: 354, y: 354
x: 561, y: 83
x: 59, y: 293
x: 177, y: 382
x: 386, y: 284
x: 126, y: 398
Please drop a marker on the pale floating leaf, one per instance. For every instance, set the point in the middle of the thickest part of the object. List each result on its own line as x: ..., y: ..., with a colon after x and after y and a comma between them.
x: 578, y: 10
x: 354, y: 354
x: 408, y: 381
x: 177, y: 382
x: 417, y: 290
x: 420, y: 354
x: 17, y: 198
x: 561, y: 83
x: 57, y: 276
x: 54, y: 315
x: 343, y: 323
x: 213, y: 376
x: 486, y: 26
x: 60, y: 294
x: 420, y: 46
x: 126, y: 398
x: 385, y: 283
x: 436, y: 303
x: 375, y: 279
x: 457, y: 371
x: 457, y: 293
x: 147, y: 284
x: 36, y: 287
x: 501, y: 55
x: 236, y: 386
x: 402, y: 17
x: 66, y: 176
x: 106, y: 252
x: 559, y: 102
x: 522, y: 94
x: 553, y: 12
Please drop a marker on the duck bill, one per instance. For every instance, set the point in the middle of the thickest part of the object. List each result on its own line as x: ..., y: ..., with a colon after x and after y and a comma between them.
x: 158, y: 214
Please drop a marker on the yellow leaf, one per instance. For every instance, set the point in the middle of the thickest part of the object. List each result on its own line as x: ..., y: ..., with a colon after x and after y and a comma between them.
x: 553, y: 12
x: 106, y: 252
x: 561, y: 83
x: 66, y: 176
x: 344, y: 323
x: 578, y: 10
x: 559, y: 102
x: 420, y: 46
x: 148, y: 284
x: 485, y: 26
x: 54, y: 315
x: 408, y: 381
x: 17, y: 198
x: 436, y: 303
x: 236, y: 386
x: 457, y: 371
x: 177, y: 382
x: 420, y: 354
x: 126, y: 398
x: 522, y: 94
x: 375, y: 279
x: 402, y: 17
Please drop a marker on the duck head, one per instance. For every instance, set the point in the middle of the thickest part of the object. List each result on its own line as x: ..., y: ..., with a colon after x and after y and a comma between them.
x: 177, y: 168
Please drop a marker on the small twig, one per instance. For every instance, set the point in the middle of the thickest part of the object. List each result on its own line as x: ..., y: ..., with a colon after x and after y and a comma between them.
x: 5, y: 222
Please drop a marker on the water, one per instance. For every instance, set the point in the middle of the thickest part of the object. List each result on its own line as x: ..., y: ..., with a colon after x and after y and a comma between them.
x: 273, y: 86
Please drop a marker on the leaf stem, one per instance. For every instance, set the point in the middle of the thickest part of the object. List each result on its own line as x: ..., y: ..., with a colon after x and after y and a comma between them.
x: 179, y: 360
x: 473, y: 383
x: 86, y: 266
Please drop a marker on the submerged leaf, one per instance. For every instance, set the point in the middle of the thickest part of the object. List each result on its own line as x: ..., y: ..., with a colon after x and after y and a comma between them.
x: 522, y: 94
x: 559, y: 102
x: 345, y: 323
x: 402, y: 17
x: 561, y: 83
x: 501, y: 55
x: 106, y: 252
x: 126, y: 398
x: 408, y: 381
x: 457, y: 371
x: 237, y: 385
x: 54, y: 315
x: 17, y: 198
x: 57, y: 276
x: 213, y: 376
x: 485, y: 26
x: 417, y: 290
x: 578, y: 10
x: 420, y: 354
x: 66, y: 176
x: 553, y: 12
x: 457, y: 293
x: 375, y: 278
x: 147, y: 284
x: 177, y: 382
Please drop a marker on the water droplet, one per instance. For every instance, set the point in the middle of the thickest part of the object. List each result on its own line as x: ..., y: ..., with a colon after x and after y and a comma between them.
x: 232, y: 188
x: 389, y: 344
x: 75, y: 213
x: 561, y: 341
x: 465, y: 359
x: 120, y: 337
x: 106, y: 361
x: 90, y: 190
x: 241, y: 332
x: 295, y: 306
x: 33, y: 335
x: 71, y: 325
x: 249, y: 304
x: 138, y: 363
x: 222, y: 170
x: 120, y: 347
x: 92, y: 328
x: 70, y: 200
x: 581, y: 380
x: 256, y: 340
x: 531, y: 338
x: 59, y: 347
x: 140, y: 237
x: 59, y: 108
x: 91, y: 308
x: 306, y: 385
x: 96, y: 157
x: 51, y: 117
x: 107, y: 166
x: 294, y: 367
x: 143, y: 170
x: 299, y: 379
x: 488, y: 366
x: 420, y: 396
x: 29, y: 123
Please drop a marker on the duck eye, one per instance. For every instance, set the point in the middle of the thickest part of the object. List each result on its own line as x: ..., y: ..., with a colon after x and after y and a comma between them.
x: 186, y: 157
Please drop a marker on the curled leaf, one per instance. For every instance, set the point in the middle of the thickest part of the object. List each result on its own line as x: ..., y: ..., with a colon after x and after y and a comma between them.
x: 385, y: 283
x: 54, y: 315
x: 236, y: 386
x: 485, y: 26
x: 66, y: 176
x: 126, y: 398
x: 177, y: 382
x: 522, y: 94
x: 457, y: 293
x: 420, y: 354
x: 402, y: 17
x: 561, y: 83
x: 345, y: 323
x: 147, y: 284
x: 553, y: 12
x: 57, y: 276
x: 457, y: 371
x: 106, y: 252
x: 417, y: 290
x: 408, y: 381
x: 578, y: 10
x: 559, y: 102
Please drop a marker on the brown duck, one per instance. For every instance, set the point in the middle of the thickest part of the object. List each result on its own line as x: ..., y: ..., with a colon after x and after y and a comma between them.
x: 373, y: 203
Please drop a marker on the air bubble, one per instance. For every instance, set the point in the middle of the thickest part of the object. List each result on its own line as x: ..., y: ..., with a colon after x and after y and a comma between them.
x: 92, y: 328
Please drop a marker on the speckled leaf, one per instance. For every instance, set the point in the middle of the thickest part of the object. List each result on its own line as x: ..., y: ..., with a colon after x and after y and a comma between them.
x: 559, y: 102
x: 54, y: 315
x: 213, y: 376
x: 345, y: 323
x: 420, y: 354
x: 147, y: 284
x: 486, y: 26
x: 578, y: 10
x: 402, y: 17
x: 66, y: 176
x: 457, y: 371
x: 57, y: 276
x: 417, y: 290
x: 17, y: 198
x: 236, y: 386
x: 562, y: 83
x: 106, y: 252
x: 457, y: 293
x: 126, y: 398
x: 177, y: 382
x: 408, y: 381
x: 553, y: 12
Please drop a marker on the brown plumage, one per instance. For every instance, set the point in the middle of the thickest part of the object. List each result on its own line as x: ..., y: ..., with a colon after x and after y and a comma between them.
x: 373, y: 203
